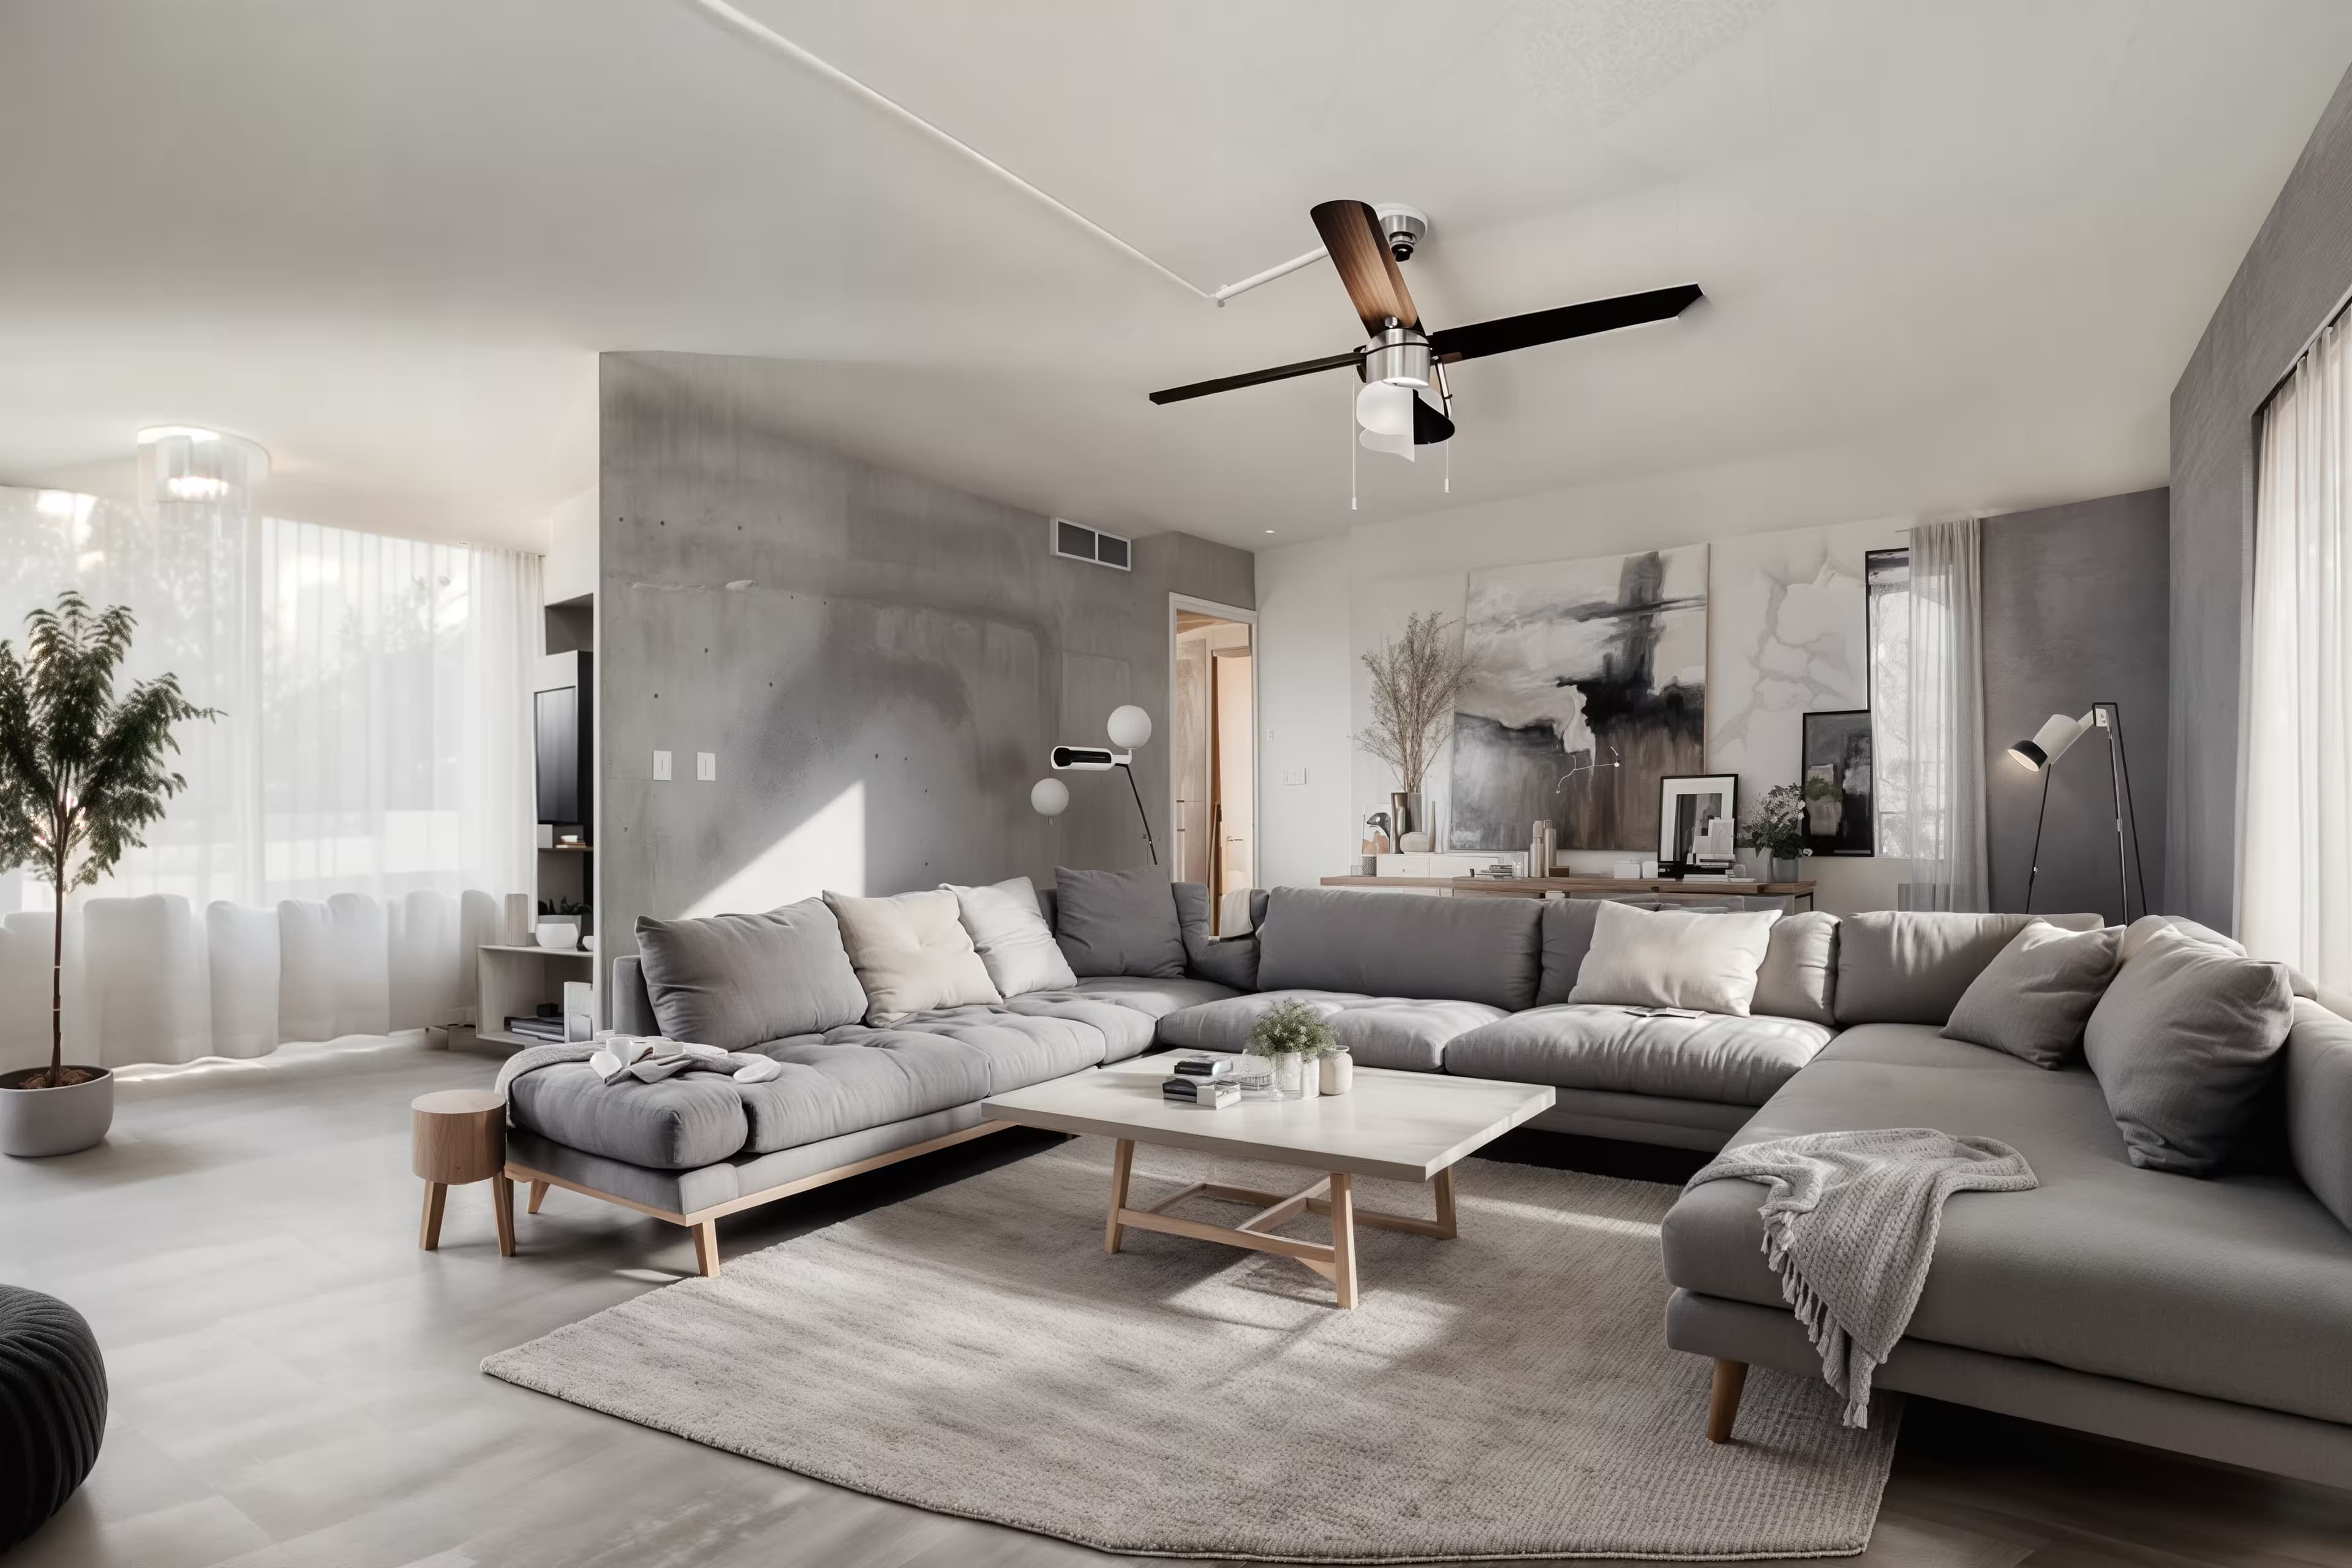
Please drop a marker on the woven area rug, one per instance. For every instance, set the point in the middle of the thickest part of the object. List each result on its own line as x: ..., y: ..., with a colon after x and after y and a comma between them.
x: 975, y: 1352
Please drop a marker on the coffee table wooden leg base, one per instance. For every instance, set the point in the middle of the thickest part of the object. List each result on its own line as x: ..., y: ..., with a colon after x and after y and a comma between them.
x: 1333, y: 1195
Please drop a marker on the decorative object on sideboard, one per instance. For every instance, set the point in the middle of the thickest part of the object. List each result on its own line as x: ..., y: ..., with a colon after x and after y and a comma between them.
x: 515, y: 926
x: 1416, y: 676
x: 1378, y: 842
x: 1696, y: 814
x: 82, y: 775
x: 1291, y: 1033
x: 1840, y: 794
x: 1574, y: 662
x: 2052, y: 740
x: 1128, y: 728
x: 1776, y: 825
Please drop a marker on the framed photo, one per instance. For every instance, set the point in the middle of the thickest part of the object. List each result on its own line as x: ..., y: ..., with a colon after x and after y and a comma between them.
x: 1840, y: 804
x: 1698, y: 816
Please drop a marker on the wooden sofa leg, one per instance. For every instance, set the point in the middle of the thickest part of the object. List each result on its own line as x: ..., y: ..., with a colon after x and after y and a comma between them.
x: 706, y: 1252
x: 1722, y: 1405
x: 537, y: 1194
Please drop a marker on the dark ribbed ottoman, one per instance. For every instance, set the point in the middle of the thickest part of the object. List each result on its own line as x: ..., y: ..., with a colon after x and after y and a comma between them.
x: 52, y: 1408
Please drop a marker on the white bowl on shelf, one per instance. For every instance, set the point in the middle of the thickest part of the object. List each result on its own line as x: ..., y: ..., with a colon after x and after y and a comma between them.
x: 562, y: 935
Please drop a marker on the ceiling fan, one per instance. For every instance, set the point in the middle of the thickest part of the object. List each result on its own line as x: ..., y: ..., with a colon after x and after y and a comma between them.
x: 1402, y: 363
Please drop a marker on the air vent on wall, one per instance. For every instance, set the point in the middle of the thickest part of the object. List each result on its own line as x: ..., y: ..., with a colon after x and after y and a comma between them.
x: 1079, y: 543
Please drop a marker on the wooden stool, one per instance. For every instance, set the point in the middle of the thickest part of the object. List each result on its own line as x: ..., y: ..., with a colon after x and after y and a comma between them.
x: 459, y: 1135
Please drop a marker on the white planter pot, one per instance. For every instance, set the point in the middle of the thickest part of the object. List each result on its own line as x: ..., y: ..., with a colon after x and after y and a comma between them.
x: 40, y: 1121
x: 562, y: 935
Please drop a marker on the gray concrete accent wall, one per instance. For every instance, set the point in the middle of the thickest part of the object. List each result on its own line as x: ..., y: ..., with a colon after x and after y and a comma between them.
x: 2075, y: 611
x: 2299, y: 270
x: 884, y: 694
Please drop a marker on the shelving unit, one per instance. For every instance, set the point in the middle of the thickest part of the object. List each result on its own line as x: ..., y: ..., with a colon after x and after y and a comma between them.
x: 514, y: 981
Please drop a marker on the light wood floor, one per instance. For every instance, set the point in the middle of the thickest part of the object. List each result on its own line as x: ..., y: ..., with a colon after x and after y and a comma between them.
x: 295, y: 1384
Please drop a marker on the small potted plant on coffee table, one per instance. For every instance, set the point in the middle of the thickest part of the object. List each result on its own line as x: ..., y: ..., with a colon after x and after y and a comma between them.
x: 1292, y: 1034
x: 82, y: 772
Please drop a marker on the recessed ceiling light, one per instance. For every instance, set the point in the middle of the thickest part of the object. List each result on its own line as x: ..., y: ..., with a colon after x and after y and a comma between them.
x: 1269, y: 530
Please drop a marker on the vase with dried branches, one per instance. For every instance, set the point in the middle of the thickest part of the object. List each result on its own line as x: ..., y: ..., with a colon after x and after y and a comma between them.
x: 1416, y: 676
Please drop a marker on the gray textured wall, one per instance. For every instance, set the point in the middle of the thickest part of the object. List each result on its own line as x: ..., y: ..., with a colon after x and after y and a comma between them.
x: 883, y: 696
x: 2075, y: 611
x: 2299, y: 268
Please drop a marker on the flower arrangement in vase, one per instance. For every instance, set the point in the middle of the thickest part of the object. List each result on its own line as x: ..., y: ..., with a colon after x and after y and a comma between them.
x: 1776, y: 825
x: 1292, y: 1034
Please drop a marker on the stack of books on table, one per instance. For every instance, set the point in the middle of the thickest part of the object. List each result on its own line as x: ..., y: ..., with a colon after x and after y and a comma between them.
x: 1202, y: 1079
x: 537, y: 1028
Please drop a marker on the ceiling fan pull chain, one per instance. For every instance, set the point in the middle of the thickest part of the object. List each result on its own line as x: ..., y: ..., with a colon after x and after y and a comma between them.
x: 1351, y: 451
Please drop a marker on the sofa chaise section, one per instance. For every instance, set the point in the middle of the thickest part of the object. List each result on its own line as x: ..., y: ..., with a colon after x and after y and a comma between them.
x: 2209, y: 1316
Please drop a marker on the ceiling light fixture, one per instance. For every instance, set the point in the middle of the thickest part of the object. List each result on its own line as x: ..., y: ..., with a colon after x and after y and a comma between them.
x: 187, y: 463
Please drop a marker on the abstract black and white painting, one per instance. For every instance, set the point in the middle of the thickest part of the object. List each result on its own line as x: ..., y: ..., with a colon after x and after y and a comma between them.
x: 1587, y: 685
x: 1841, y: 806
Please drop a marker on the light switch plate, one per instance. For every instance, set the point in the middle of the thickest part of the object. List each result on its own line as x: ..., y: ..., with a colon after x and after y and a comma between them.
x: 661, y: 765
x: 1294, y: 775
x: 706, y: 766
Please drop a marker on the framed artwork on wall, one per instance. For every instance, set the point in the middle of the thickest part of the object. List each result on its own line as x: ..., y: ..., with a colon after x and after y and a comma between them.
x: 1698, y: 817
x: 1840, y: 805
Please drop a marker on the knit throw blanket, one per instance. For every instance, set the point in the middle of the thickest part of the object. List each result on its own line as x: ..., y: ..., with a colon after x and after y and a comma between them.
x: 1850, y: 1227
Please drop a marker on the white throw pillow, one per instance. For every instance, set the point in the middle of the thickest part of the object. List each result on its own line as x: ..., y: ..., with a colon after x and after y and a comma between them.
x: 911, y: 955
x: 1009, y: 932
x: 1675, y: 958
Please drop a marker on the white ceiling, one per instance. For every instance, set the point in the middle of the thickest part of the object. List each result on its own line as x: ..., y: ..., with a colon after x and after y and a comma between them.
x: 388, y: 239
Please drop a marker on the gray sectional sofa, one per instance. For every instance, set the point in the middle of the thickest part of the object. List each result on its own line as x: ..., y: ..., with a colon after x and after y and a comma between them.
x: 2211, y: 1316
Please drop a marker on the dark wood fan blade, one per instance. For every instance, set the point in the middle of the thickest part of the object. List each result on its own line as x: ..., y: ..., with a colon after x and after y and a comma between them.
x: 1259, y: 377
x: 1351, y: 233
x: 1509, y: 332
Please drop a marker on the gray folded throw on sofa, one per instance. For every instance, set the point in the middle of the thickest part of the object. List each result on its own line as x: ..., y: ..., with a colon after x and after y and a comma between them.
x: 650, y: 1069
x: 1850, y: 1227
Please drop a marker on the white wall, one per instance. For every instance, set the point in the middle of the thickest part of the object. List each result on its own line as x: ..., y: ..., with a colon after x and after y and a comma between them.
x: 1322, y: 603
x: 571, y: 570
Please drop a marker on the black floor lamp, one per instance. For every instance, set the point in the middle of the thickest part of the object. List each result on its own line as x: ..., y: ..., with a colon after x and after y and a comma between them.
x: 2041, y: 755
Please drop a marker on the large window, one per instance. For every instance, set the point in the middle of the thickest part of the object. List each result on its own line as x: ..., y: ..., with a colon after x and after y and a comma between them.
x: 1888, y: 574
x: 374, y: 728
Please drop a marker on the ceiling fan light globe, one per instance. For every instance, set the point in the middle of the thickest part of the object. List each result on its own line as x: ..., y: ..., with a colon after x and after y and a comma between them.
x: 1383, y: 408
x: 1380, y: 441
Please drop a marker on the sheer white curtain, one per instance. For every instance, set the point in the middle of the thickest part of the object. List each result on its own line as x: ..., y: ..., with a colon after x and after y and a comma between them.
x: 1945, y: 723
x: 2294, y: 902
x: 371, y: 767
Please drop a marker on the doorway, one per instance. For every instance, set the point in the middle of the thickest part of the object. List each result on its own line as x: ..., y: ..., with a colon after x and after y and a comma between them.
x: 1214, y: 702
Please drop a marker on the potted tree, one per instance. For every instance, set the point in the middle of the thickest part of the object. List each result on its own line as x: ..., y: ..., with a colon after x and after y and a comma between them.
x: 81, y: 773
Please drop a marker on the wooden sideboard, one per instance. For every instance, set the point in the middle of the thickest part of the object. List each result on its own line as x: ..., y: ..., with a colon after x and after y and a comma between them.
x: 1586, y: 887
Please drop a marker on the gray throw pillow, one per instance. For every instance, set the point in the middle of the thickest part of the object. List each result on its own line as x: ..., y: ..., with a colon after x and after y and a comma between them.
x: 1227, y: 960
x: 1798, y: 977
x: 2033, y: 999
x: 2184, y: 1043
x: 1911, y: 966
x: 1118, y: 922
x: 738, y: 981
x: 1566, y: 938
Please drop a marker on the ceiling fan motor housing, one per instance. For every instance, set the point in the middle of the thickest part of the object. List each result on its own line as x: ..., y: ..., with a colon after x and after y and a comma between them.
x: 1397, y: 355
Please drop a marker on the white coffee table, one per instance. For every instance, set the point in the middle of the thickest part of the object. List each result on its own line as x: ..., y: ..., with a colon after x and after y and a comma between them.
x: 1399, y: 1126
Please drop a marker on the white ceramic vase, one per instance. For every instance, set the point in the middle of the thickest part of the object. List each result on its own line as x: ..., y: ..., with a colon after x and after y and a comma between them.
x: 1336, y: 1071
x: 562, y: 935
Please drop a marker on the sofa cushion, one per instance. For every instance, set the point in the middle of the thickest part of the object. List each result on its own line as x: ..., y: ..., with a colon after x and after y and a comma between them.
x: 1008, y: 931
x: 852, y: 1078
x: 1678, y: 958
x: 1019, y: 1049
x: 2319, y: 1105
x: 1798, y: 978
x: 912, y: 953
x: 1403, y: 1032
x: 1399, y: 944
x: 2184, y: 1043
x: 1733, y: 1060
x: 1125, y: 1031
x: 732, y: 980
x: 1229, y: 961
x: 1911, y: 966
x: 1564, y: 937
x: 2237, y: 1288
x: 1118, y: 922
x: 1153, y: 998
x: 678, y: 1124
x: 2033, y: 999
